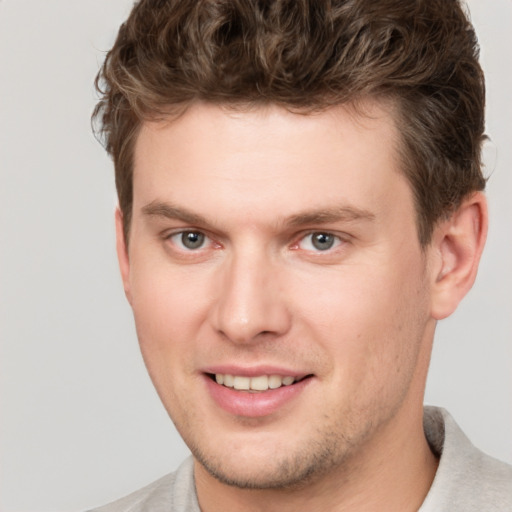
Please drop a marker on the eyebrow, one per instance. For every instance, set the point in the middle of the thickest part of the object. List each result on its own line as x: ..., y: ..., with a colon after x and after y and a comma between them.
x: 160, y: 209
x: 329, y: 215
x: 317, y: 216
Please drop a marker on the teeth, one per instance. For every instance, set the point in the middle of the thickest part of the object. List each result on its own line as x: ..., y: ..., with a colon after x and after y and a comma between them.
x: 274, y: 381
x: 242, y: 382
x: 259, y: 383
x: 287, y: 381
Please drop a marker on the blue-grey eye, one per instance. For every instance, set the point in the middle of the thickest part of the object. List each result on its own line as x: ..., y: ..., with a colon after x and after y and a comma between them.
x: 322, y: 241
x: 319, y: 241
x: 192, y: 239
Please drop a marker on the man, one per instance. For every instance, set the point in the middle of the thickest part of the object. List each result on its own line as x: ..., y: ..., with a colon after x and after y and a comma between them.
x: 300, y: 201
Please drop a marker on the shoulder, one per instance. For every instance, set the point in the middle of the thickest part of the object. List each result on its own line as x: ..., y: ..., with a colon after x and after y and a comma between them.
x: 467, y: 479
x: 174, y: 492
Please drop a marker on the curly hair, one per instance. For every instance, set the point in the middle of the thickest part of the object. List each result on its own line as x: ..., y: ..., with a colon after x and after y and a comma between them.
x: 307, y: 55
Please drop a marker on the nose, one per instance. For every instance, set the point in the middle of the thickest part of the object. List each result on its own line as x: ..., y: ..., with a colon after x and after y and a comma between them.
x: 250, y: 301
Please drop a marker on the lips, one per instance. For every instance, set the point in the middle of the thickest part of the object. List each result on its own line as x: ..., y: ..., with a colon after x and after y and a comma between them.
x: 255, y: 393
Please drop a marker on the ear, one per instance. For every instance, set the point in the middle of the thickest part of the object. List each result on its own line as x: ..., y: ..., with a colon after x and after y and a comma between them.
x: 122, y: 254
x: 457, y: 245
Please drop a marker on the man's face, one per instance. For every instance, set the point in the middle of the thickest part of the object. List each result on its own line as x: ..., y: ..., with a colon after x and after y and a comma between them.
x: 266, y: 248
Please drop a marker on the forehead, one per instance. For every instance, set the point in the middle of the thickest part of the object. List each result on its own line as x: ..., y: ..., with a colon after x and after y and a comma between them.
x: 271, y: 124
x: 268, y: 160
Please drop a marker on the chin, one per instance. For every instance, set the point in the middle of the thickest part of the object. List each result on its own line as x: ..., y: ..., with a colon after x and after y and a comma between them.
x: 277, y: 471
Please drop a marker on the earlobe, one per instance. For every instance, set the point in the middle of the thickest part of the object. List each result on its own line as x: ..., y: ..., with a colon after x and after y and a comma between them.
x: 458, y: 243
x: 122, y: 254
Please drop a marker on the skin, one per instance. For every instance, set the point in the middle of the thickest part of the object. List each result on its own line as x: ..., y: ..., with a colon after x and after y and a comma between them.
x: 358, y: 318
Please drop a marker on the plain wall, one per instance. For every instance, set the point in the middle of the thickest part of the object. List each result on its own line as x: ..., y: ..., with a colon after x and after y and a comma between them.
x: 80, y: 423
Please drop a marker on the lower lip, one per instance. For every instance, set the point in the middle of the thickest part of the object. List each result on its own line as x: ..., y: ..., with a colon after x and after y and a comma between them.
x: 254, y: 405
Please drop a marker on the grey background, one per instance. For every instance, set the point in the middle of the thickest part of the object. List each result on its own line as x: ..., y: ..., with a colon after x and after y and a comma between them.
x: 80, y: 423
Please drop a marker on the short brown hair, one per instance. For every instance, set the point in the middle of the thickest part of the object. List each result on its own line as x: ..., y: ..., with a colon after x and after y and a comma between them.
x: 307, y: 55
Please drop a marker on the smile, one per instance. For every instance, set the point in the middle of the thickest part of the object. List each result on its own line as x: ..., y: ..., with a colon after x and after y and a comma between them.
x: 257, y: 383
x: 257, y: 394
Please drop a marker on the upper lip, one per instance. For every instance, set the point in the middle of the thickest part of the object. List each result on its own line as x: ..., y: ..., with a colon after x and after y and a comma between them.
x: 254, y: 371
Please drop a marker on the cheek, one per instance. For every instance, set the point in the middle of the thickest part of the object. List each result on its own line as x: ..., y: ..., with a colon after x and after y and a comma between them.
x: 168, y: 309
x: 164, y: 324
x: 371, y: 320
x: 354, y: 301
